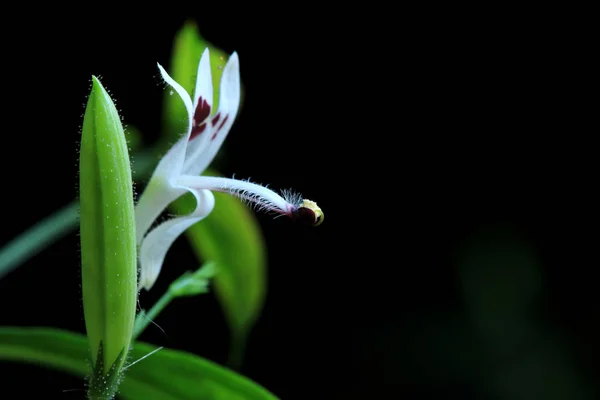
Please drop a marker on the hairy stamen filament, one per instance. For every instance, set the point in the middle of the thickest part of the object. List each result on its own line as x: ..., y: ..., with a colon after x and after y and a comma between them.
x: 262, y: 197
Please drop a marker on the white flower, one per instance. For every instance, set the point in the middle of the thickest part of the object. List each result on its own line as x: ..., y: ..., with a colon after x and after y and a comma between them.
x: 178, y: 171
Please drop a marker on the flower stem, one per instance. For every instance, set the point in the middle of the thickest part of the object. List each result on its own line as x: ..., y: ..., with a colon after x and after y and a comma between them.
x: 244, y: 190
x: 144, y: 319
x: 236, y: 352
x: 188, y: 284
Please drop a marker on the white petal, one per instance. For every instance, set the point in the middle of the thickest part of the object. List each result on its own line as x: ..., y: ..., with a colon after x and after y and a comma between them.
x: 204, y: 87
x: 185, y: 97
x: 220, y: 124
x: 202, y: 94
x: 171, y: 163
x: 153, y: 201
x: 159, y: 240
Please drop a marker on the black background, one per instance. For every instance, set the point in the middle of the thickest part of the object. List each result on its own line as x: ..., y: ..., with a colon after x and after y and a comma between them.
x: 421, y: 134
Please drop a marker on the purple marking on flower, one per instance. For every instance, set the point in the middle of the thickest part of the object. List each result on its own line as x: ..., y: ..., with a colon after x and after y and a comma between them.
x: 219, y: 128
x: 215, y: 119
x: 222, y: 123
x: 197, y: 130
x: 202, y: 111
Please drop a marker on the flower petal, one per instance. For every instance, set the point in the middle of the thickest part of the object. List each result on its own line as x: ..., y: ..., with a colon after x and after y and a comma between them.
x: 185, y: 97
x: 157, y: 243
x: 171, y: 163
x: 153, y: 201
x: 203, y: 103
x: 220, y: 123
x: 204, y: 87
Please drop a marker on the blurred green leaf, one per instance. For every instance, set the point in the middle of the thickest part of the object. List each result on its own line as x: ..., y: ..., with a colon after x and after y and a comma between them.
x: 522, y: 358
x: 231, y: 237
x: 164, y: 375
x: 133, y: 137
x: 501, y: 284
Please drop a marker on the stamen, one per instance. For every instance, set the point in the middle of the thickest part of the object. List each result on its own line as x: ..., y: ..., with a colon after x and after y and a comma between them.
x: 309, y: 213
x: 258, y: 196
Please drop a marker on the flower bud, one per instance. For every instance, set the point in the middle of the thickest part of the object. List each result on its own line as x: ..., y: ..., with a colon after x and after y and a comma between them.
x: 108, y: 245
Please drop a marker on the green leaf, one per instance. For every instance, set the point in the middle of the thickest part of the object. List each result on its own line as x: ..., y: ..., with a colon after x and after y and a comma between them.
x: 164, y: 375
x: 107, y: 221
x: 231, y: 237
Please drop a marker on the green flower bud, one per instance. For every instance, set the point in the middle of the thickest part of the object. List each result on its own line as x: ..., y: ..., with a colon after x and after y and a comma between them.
x: 108, y: 245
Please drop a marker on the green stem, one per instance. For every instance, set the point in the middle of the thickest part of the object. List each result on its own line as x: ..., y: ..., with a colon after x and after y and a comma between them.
x: 236, y: 352
x: 144, y: 319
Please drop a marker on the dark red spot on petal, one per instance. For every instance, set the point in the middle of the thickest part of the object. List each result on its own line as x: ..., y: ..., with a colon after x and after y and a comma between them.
x: 216, y: 118
x: 214, y: 136
x: 222, y: 123
x: 202, y: 111
x: 197, y: 130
